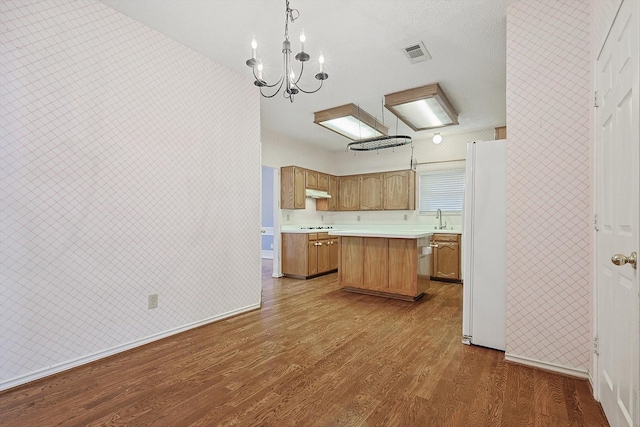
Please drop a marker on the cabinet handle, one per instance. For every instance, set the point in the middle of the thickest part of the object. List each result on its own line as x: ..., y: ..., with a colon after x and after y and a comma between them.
x: 433, y: 245
x: 318, y: 244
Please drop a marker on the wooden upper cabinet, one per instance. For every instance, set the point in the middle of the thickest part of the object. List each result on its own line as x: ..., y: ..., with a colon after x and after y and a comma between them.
x: 334, y: 193
x: 292, y: 188
x: 330, y: 204
x: 349, y: 194
x: 399, y: 190
x: 323, y: 182
x: 311, y: 180
x: 371, y: 191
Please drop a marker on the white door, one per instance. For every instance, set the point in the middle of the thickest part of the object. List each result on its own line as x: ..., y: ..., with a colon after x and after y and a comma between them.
x: 617, y: 202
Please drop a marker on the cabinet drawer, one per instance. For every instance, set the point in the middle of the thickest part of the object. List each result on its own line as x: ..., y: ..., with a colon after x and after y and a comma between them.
x: 444, y: 238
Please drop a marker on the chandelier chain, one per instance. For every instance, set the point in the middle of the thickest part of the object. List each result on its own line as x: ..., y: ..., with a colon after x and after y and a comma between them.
x: 289, y: 15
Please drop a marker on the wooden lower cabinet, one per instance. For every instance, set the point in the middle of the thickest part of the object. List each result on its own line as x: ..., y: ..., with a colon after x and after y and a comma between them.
x: 393, y: 268
x: 445, y: 259
x: 308, y: 255
x: 352, y: 257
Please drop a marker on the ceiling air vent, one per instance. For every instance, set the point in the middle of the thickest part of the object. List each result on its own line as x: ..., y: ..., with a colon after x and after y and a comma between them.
x: 416, y: 53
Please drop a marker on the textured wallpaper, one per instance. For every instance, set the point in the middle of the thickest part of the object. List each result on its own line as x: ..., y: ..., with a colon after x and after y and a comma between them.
x: 549, y: 182
x: 116, y: 183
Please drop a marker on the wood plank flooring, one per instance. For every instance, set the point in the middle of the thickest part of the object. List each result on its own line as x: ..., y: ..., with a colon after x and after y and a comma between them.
x: 312, y: 356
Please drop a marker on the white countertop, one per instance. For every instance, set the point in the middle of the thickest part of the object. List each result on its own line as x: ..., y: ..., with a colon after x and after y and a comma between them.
x: 307, y: 231
x: 389, y: 231
x: 390, y: 234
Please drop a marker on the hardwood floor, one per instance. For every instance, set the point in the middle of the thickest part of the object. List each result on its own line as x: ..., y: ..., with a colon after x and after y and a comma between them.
x: 312, y: 356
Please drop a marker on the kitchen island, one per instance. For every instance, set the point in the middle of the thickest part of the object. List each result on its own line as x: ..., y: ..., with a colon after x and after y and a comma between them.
x: 388, y: 263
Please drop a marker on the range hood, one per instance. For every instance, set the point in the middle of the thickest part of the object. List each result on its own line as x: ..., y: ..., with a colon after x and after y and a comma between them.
x: 316, y: 194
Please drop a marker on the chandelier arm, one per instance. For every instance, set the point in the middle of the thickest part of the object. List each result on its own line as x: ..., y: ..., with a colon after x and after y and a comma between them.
x: 267, y: 85
x: 275, y: 93
x: 309, y: 92
x: 300, y: 75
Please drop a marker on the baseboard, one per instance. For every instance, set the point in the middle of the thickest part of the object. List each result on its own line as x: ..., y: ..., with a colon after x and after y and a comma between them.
x: 74, y: 363
x: 580, y: 373
x: 267, y: 254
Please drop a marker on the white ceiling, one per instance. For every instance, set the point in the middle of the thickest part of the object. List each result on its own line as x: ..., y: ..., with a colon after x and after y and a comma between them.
x: 362, y: 41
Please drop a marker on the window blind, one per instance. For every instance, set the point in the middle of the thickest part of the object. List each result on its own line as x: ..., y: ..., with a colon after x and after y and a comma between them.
x: 443, y: 189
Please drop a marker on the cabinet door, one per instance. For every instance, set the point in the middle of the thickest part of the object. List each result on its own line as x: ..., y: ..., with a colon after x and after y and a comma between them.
x: 447, y: 261
x: 323, y: 182
x: 292, y: 194
x: 371, y: 192
x: 299, y: 196
x: 403, y: 265
x: 399, y: 190
x: 311, y: 180
x: 349, y: 198
x: 333, y: 192
x: 312, y: 256
x: 351, y: 271
x: 324, y: 256
x: 376, y: 273
x: 294, y: 254
x: 334, y: 252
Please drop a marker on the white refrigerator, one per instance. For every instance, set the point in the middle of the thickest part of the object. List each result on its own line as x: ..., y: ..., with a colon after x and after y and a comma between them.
x: 484, y: 239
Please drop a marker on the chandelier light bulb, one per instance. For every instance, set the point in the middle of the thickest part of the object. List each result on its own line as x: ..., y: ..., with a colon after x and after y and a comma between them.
x: 254, y: 47
x: 260, y: 67
x: 437, y: 138
x: 321, y: 61
x: 303, y: 39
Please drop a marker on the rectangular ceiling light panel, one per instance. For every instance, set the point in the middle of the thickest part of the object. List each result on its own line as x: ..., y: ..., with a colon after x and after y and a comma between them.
x: 351, y: 122
x: 422, y: 108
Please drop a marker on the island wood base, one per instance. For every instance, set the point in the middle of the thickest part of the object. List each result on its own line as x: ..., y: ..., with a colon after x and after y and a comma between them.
x: 389, y: 267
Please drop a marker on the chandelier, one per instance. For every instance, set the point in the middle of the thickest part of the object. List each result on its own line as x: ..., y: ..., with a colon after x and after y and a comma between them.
x: 288, y: 78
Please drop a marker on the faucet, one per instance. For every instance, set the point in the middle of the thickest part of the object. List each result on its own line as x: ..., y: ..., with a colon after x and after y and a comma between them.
x: 439, y: 217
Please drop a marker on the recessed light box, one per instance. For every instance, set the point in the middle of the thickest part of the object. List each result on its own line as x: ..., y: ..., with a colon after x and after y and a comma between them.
x: 422, y: 108
x: 350, y: 121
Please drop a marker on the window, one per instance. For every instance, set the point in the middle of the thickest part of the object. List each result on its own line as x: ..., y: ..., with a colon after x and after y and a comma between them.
x: 441, y: 189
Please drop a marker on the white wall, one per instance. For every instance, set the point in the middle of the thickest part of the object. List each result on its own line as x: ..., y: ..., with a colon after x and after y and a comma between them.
x: 117, y: 183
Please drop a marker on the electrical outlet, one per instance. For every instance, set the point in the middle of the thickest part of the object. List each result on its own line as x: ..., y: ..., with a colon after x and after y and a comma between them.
x: 358, y: 218
x: 287, y: 217
x: 321, y: 217
x: 272, y: 246
x: 405, y: 217
x: 153, y: 301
